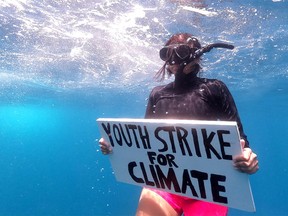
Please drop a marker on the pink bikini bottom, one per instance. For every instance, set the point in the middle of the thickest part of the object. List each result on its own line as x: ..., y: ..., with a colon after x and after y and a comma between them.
x: 192, y: 207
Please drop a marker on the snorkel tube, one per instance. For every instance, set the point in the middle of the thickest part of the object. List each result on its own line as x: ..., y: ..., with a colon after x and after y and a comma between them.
x: 199, y: 52
x: 189, y: 68
x: 209, y: 47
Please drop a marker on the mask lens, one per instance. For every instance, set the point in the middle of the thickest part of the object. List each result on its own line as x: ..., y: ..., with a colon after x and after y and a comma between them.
x: 183, y: 51
x: 165, y: 53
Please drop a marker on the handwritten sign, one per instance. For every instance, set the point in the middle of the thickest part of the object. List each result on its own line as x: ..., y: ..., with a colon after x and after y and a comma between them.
x: 184, y: 157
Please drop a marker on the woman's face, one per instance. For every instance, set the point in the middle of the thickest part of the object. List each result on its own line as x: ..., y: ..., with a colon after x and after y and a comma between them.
x: 174, y: 68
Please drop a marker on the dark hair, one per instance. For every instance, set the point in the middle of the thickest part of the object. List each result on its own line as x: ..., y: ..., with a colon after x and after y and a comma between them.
x: 180, y: 38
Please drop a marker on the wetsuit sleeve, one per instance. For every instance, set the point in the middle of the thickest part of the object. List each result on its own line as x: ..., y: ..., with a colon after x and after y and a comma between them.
x: 228, y: 110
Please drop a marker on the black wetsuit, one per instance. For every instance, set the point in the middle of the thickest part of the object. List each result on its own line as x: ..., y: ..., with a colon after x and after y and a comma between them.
x: 195, y: 99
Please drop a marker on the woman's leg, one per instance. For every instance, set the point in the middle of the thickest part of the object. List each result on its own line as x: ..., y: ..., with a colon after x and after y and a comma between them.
x: 152, y: 204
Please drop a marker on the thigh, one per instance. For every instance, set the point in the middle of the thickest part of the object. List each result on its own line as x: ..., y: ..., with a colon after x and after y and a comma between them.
x: 151, y: 204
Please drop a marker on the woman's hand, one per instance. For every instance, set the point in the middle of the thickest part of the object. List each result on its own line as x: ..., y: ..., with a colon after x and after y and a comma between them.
x: 106, y: 148
x: 247, y: 162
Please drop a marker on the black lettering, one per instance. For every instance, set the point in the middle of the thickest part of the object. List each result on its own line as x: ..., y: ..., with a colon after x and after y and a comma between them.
x: 217, y: 188
x: 133, y: 128
x: 186, y: 181
x: 154, y: 175
x: 201, y: 176
x: 128, y: 142
x: 131, y: 167
x: 147, y: 181
x: 151, y: 156
x: 165, y: 145
x: 196, y: 142
x: 144, y: 137
x: 182, y: 135
x: 207, y: 143
x: 224, y: 144
x: 161, y: 159
x: 170, y: 160
x: 117, y: 135
x: 170, y: 130
x: 166, y: 181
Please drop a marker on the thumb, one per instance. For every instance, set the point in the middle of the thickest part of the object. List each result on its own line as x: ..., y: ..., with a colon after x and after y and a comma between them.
x: 242, y: 142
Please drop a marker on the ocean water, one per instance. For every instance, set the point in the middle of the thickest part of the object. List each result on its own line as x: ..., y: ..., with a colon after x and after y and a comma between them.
x: 65, y: 63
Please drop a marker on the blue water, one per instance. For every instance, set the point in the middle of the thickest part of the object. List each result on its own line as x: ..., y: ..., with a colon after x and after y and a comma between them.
x: 65, y: 63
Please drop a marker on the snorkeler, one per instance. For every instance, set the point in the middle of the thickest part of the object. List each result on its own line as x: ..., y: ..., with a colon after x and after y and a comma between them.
x: 195, y: 98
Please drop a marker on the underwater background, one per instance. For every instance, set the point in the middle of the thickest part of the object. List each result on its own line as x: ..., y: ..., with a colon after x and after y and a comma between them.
x: 63, y: 64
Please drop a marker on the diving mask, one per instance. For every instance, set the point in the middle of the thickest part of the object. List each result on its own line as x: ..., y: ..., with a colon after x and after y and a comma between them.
x: 182, y: 53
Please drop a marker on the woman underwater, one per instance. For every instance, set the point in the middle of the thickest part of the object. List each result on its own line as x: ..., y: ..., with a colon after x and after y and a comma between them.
x: 194, y: 98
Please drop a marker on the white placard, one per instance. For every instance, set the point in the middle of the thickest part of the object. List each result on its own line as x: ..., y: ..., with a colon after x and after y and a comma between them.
x: 184, y: 157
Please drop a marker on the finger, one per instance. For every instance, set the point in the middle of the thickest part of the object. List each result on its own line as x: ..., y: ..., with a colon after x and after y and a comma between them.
x: 105, y: 147
x: 102, y: 141
x: 253, y: 168
x: 254, y: 162
x: 241, y: 158
x: 249, y: 167
x: 105, y: 151
x: 247, y: 152
x: 242, y: 142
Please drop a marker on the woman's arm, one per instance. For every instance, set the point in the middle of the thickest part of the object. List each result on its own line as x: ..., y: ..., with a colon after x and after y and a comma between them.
x: 228, y: 109
x: 246, y: 162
